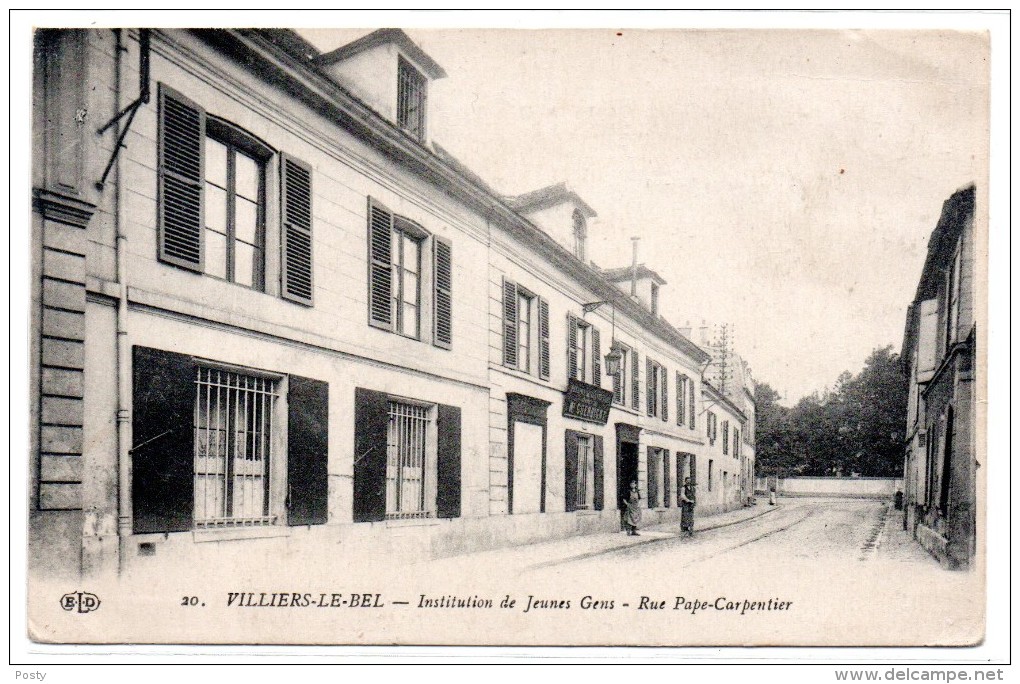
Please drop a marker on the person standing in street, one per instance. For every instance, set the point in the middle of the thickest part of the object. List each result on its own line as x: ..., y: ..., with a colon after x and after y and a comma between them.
x: 632, y: 514
x: 688, y: 499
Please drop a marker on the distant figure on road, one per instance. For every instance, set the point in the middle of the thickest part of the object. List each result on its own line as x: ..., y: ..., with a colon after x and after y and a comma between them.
x: 632, y: 515
x: 688, y: 499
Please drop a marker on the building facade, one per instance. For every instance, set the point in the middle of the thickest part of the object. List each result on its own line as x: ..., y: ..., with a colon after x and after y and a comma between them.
x: 938, y: 356
x: 271, y: 313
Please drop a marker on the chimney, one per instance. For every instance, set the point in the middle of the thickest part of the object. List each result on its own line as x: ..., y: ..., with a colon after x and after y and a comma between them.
x: 633, y: 269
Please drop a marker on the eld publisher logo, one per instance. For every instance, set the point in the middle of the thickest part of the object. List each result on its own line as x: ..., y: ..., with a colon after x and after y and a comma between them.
x: 80, y: 601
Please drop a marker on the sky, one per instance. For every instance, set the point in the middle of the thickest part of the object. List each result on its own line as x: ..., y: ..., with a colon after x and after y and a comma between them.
x: 783, y: 182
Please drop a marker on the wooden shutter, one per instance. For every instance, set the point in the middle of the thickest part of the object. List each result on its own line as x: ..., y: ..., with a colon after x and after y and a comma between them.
x: 618, y: 386
x: 570, y: 471
x: 693, y: 409
x: 448, y: 462
x: 680, y: 458
x: 180, y: 180
x: 666, y: 484
x: 371, y: 424
x: 571, y: 346
x: 163, y: 458
x: 600, y: 474
x: 380, y: 269
x: 665, y: 395
x: 694, y: 470
x: 307, y: 451
x: 651, y: 376
x: 596, y: 357
x: 681, y: 395
x: 296, y: 241
x: 442, y: 293
x: 509, y: 323
x: 653, y: 479
x: 635, y: 381
x: 543, y: 339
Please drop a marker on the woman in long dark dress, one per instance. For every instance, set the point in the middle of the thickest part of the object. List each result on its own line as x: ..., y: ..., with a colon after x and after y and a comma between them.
x: 632, y: 514
x: 688, y: 499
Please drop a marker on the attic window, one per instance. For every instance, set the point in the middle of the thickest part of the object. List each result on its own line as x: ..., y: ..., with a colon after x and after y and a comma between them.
x: 411, y: 86
x: 580, y: 234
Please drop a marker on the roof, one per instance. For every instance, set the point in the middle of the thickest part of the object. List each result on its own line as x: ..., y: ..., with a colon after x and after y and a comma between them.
x: 284, y: 63
x: 382, y: 37
x: 549, y: 196
x: 720, y: 398
x: 618, y: 275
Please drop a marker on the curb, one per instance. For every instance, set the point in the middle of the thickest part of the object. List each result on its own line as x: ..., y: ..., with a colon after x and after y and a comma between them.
x: 643, y: 542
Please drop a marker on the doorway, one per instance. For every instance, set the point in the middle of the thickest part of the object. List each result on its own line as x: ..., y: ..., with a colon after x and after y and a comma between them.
x: 626, y: 471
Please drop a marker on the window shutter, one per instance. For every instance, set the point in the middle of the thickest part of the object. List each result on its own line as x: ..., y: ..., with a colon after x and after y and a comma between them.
x: 596, y: 358
x: 635, y: 381
x: 307, y: 451
x: 442, y: 297
x: 371, y: 424
x: 380, y: 273
x: 296, y: 242
x: 600, y: 474
x: 543, y: 339
x: 618, y: 386
x: 163, y: 460
x: 666, y: 484
x: 681, y: 394
x: 651, y: 375
x: 665, y: 395
x: 570, y: 471
x: 653, y: 479
x: 679, y: 476
x: 693, y: 408
x: 694, y: 471
x: 180, y: 179
x: 571, y: 346
x: 509, y: 323
x: 448, y: 462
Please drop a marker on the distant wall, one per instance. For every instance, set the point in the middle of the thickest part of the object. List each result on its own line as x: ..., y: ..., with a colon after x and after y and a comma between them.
x: 853, y: 487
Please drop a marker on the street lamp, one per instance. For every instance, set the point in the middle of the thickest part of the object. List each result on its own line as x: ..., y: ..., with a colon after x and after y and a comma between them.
x: 615, y: 355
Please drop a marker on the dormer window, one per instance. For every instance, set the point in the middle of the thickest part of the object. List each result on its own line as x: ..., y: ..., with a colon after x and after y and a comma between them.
x: 655, y: 299
x: 411, y: 91
x: 580, y: 234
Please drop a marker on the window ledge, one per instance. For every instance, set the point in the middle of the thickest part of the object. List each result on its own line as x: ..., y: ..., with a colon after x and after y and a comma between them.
x: 587, y: 512
x: 413, y: 522
x: 232, y: 533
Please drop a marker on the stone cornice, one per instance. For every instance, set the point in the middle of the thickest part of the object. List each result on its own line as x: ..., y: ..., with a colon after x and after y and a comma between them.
x: 62, y: 208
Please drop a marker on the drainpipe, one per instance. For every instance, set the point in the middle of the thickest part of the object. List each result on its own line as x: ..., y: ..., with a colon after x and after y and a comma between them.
x: 123, y: 362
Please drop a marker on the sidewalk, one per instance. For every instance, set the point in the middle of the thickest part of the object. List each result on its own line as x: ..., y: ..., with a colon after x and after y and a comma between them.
x: 575, y: 548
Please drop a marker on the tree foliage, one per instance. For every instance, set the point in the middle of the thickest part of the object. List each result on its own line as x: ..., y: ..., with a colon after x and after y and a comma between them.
x: 855, y: 427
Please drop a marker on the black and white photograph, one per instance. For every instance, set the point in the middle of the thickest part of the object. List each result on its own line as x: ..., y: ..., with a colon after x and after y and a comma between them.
x: 656, y: 335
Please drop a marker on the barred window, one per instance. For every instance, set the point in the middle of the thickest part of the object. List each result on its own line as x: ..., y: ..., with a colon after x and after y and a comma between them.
x: 411, y: 85
x: 409, y: 477
x: 585, y: 494
x: 233, y: 433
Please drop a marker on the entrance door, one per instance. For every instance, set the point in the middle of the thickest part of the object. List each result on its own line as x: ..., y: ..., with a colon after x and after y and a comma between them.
x: 527, y: 468
x: 626, y: 471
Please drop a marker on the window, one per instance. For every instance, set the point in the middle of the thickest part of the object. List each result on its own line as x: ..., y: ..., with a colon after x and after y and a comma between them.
x: 657, y: 390
x: 524, y: 327
x: 411, y: 88
x: 233, y: 437
x: 620, y: 379
x: 585, y: 491
x: 711, y: 427
x: 580, y: 234
x: 222, y: 446
x: 212, y: 199
x: 655, y: 299
x: 693, y: 415
x: 399, y: 275
x: 583, y: 472
x: 234, y: 210
x: 736, y: 443
x: 953, y: 299
x: 711, y: 467
x: 409, y: 461
x: 726, y: 437
x: 584, y: 360
x: 405, y: 252
x: 683, y: 404
x: 525, y: 330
